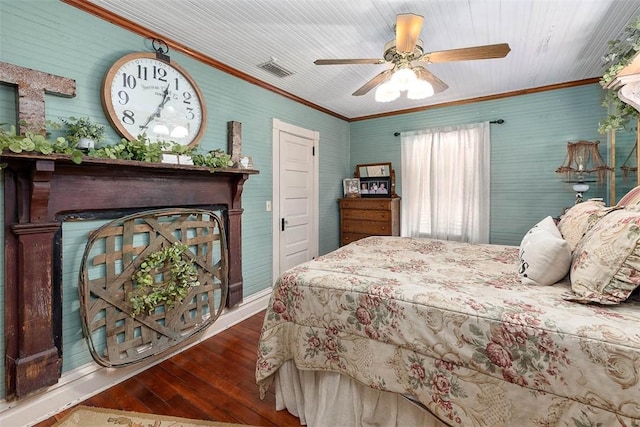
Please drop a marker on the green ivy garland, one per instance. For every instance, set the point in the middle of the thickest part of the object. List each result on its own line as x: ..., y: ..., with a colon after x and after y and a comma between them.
x: 32, y: 142
x: 621, y: 52
x: 140, y: 149
x: 148, y: 294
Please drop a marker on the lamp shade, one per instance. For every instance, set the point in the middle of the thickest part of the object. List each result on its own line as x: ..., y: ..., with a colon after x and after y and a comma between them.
x: 420, y: 89
x: 404, y: 78
x: 387, y: 92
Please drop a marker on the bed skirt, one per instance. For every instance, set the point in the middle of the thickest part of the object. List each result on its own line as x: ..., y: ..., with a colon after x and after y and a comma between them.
x: 330, y: 399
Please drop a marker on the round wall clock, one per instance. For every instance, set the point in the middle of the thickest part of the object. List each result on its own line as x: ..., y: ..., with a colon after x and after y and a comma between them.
x: 144, y: 95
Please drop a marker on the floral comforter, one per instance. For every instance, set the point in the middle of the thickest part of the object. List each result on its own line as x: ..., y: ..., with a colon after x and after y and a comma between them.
x: 451, y: 324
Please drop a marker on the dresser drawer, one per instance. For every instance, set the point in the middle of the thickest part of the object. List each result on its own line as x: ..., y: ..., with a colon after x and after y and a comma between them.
x: 347, y: 238
x: 377, y: 228
x: 364, y: 203
x: 366, y: 214
x: 364, y: 217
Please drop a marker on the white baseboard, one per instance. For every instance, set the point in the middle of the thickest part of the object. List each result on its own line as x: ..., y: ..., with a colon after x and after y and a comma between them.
x: 83, y: 382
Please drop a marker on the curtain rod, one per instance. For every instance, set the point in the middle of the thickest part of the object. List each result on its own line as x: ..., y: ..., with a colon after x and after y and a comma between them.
x: 498, y: 121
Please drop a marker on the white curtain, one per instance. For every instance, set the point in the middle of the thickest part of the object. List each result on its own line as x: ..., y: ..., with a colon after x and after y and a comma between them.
x: 446, y: 183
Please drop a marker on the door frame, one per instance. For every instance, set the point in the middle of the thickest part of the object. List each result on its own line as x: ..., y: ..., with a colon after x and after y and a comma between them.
x: 280, y: 126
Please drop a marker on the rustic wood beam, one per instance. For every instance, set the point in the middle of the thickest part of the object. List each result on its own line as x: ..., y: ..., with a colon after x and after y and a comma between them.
x: 31, y: 87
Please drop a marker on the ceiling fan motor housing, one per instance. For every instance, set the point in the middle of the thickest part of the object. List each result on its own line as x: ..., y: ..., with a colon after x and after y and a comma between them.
x: 392, y: 55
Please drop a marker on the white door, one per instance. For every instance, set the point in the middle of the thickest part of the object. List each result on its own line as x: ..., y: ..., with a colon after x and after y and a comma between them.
x: 295, y: 204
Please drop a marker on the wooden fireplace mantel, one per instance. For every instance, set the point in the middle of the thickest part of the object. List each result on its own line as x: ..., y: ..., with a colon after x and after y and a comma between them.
x: 42, y: 191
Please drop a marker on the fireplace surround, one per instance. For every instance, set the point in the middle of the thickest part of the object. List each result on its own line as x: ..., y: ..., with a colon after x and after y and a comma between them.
x: 40, y: 192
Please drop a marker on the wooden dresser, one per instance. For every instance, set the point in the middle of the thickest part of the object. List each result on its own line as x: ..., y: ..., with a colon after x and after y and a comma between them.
x: 363, y: 217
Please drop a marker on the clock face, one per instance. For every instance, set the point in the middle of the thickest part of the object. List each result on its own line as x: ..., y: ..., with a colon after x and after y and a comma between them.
x: 143, y: 95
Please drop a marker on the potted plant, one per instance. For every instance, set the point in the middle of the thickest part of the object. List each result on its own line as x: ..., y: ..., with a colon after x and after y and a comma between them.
x: 83, y: 132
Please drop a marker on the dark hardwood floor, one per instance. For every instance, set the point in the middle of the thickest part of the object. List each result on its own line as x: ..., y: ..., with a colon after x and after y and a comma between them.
x: 214, y: 380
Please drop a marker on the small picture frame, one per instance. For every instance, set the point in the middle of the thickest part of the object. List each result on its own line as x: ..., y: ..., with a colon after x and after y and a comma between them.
x: 379, y: 186
x: 351, y: 187
x: 245, y: 162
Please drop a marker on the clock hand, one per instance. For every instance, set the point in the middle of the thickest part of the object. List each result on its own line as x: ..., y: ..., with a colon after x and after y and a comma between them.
x: 165, y: 99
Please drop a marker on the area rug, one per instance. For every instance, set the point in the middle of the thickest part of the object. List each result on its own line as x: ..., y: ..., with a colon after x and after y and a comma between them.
x: 88, y: 416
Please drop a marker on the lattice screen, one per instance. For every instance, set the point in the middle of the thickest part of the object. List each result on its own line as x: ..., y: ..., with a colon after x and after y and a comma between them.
x: 113, y: 255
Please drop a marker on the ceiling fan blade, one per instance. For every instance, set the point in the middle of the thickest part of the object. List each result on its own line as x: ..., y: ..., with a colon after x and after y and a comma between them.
x: 424, y: 74
x: 373, y: 83
x: 467, y: 53
x: 408, y: 28
x: 349, y: 61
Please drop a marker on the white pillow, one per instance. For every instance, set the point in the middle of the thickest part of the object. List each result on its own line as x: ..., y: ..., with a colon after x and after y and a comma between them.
x: 545, y: 257
x: 547, y: 224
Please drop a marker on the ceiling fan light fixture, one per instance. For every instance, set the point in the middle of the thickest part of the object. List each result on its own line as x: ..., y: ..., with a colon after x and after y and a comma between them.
x: 420, y: 89
x: 404, y: 78
x: 387, y: 92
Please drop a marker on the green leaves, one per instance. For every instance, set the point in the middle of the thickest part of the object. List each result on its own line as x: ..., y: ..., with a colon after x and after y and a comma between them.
x: 83, y: 127
x: 149, y: 293
x: 212, y: 159
x: 620, y: 54
x: 32, y: 142
x: 140, y: 149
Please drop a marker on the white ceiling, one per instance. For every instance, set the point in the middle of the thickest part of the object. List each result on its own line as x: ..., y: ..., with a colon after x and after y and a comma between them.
x: 552, y: 41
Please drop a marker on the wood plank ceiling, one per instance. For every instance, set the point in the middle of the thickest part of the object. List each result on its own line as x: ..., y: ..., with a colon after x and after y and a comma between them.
x: 552, y: 42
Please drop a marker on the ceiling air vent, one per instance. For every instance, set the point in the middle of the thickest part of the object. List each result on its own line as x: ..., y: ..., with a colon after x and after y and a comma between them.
x: 275, y: 69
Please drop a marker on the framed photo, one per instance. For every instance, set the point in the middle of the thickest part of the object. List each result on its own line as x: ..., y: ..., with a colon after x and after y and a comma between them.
x: 379, y: 186
x: 351, y: 187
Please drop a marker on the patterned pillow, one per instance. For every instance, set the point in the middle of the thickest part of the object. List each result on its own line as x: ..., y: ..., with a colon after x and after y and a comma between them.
x: 545, y: 257
x: 606, y: 263
x: 632, y: 198
x: 579, y: 219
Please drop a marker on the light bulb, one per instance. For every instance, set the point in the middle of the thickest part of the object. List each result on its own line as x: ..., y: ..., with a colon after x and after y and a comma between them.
x: 404, y: 78
x: 387, y: 92
x: 420, y: 89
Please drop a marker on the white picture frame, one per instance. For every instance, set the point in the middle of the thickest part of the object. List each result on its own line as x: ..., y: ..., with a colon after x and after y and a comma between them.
x: 351, y: 187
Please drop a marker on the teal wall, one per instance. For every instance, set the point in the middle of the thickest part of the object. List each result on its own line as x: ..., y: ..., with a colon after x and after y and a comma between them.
x: 53, y: 37
x: 525, y: 150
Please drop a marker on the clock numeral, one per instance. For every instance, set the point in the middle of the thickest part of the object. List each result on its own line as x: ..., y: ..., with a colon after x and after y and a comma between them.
x: 123, y: 97
x: 128, y: 80
x: 127, y: 117
x: 186, y: 97
x: 176, y: 80
x: 189, y: 115
x: 142, y: 72
x: 159, y: 74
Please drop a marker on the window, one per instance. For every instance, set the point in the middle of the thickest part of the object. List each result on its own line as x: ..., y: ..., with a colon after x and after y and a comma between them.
x: 446, y: 183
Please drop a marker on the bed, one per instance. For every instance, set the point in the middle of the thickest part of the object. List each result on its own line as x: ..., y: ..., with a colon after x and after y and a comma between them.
x: 406, y: 331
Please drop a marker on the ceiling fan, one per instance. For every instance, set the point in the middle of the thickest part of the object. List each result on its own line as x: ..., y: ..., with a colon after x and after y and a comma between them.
x: 407, y: 49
